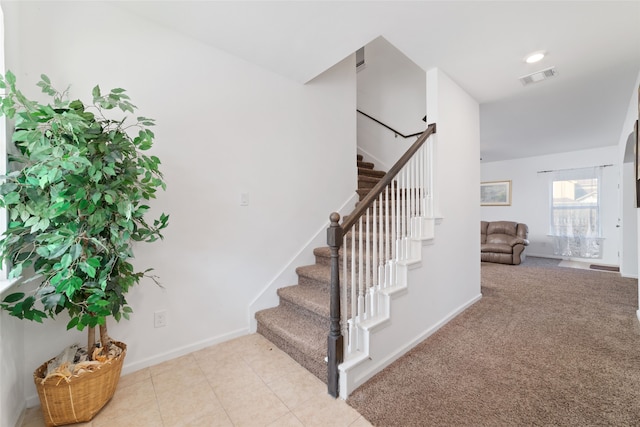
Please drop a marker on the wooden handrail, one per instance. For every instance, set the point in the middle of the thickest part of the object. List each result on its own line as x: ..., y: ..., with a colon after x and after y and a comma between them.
x: 389, y: 127
x: 386, y: 180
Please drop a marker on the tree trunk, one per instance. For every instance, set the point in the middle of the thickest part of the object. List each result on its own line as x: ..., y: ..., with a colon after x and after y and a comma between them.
x: 105, y: 341
x: 91, y: 341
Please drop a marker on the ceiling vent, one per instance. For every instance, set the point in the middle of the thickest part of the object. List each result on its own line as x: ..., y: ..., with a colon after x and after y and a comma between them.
x: 538, y: 76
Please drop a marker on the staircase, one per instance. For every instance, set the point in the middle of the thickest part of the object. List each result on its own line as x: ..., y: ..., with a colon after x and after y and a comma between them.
x: 299, y: 325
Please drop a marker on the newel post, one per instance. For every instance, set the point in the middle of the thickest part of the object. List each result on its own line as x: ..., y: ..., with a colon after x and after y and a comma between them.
x: 335, y: 339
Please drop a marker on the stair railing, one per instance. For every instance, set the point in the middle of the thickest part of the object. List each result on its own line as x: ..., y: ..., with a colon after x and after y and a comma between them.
x: 392, y: 129
x: 375, y: 237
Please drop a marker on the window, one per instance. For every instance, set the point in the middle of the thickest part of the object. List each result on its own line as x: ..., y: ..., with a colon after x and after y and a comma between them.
x: 575, y: 212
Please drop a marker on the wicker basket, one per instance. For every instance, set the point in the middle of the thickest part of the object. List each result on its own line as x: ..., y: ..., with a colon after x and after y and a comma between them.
x: 80, y: 399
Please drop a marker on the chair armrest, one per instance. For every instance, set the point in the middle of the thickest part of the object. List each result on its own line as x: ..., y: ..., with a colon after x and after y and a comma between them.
x: 506, y: 239
x: 518, y: 241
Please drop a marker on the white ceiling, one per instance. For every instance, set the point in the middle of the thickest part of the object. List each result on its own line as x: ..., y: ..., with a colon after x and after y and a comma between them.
x: 594, y: 45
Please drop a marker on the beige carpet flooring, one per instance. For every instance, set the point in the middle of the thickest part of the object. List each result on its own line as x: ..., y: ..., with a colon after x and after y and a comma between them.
x: 545, y: 346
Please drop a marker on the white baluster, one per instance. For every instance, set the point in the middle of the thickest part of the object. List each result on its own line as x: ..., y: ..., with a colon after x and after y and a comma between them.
x: 351, y: 342
x: 405, y: 201
x: 367, y: 263
x: 387, y: 241
x: 430, y: 165
x: 374, y: 260
x: 394, y: 218
x: 423, y: 195
x: 412, y: 201
x: 360, y: 275
x: 344, y: 308
x: 354, y: 296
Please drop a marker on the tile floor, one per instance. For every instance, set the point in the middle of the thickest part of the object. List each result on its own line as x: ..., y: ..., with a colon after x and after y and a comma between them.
x: 243, y: 382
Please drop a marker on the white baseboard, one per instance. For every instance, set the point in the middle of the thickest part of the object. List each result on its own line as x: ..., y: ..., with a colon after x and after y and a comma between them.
x: 22, y: 412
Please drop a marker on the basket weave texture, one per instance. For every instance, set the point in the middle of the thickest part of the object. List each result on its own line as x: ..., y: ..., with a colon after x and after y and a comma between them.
x: 79, y: 399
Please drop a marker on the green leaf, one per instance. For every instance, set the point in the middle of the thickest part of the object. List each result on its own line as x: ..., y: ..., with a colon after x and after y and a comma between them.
x: 66, y: 261
x: 96, y: 92
x: 37, y: 316
x: 17, y: 311
x: 76, y: 105
x: 57, y: 278
x: 31, y: 221
x: 16, y: 271
x: 53, y: 300
x: 76, y: 251
x: 43, y: 224
x: 72, y: 323
x: 11, y: 198
x: 94, y: 262
x: 11, y: 298
x: 11, y: 78
x: 90, y: 270
x: 80, y: 194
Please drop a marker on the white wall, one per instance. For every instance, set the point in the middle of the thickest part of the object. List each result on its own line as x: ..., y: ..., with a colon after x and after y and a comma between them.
x: 630, y: 214
x: 224, y: 127
x: 12, y: 400
x: 530, y: 196
x: 629, y: 223
x: 392, y: 89
x: 454, y: 268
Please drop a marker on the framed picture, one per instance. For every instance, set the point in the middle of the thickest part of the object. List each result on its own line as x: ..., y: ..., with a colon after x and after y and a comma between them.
x: 495, y: 193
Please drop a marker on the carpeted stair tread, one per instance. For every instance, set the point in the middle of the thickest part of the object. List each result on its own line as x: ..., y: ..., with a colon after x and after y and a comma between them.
x: 371, y: 172
x: 323, y: 254
x: 368, y: 179
x: 312, y: 299
x: 303, y: 339
x: 362, y: 193
x: 365, y: 165
x: 314, y: 274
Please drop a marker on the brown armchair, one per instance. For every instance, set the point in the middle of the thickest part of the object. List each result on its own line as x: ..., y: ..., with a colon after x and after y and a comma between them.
x: 503, y: 241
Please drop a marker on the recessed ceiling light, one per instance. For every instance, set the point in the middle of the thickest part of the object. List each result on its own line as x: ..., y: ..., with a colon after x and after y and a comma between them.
x: 534, y: 57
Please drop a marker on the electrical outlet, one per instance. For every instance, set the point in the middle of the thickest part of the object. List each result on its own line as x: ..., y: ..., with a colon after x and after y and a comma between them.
x: 160, y: 319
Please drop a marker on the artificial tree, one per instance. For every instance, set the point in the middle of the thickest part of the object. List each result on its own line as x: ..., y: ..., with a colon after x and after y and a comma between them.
x: 76, y: 196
